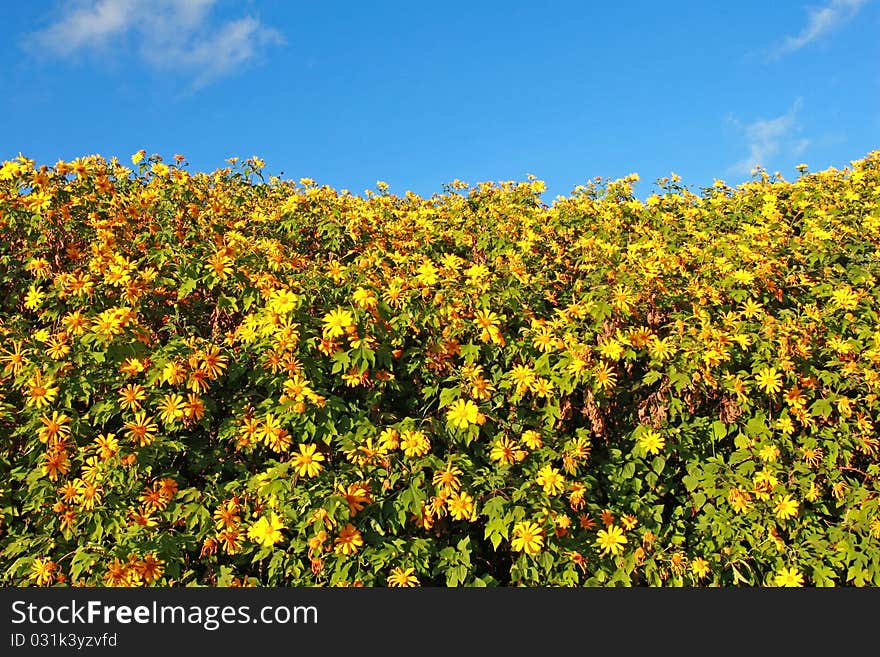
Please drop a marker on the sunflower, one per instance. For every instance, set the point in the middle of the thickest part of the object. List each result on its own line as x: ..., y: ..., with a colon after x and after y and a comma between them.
x: 40, y: 393
x: 337, y: 322
x: 551, y: 480
x: 414, y: 443
x: 789, y: 577
x: 463, y: 413
x: 461, y: 506
x: 611, y: 540
x: 43, y: 571
x: 528, y: 537
x: 349, y: 540
x: 769, y: 380
x: 402, y: 577
x: 266, y: 531
x: 141, y: 429
x: 307, y: 462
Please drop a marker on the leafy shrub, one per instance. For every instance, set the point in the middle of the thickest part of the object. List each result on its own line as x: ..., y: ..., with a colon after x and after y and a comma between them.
x: 218, y: 379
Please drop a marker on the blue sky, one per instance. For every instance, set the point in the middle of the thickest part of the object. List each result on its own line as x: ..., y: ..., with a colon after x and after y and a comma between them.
x: 419, y: 93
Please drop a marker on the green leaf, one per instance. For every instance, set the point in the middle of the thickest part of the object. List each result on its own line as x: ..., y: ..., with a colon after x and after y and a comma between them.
x: 469, y: 352
x: 757, y: 427
x: 658, y: 464
x: 186, y: 287
x: 652, y: 377
x: 494, y: 508
x: 449, y: 395
x: 456, y: 575
x: 821, y: 407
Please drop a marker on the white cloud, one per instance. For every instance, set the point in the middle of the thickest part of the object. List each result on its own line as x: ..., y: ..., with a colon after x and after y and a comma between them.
x: 766, y: 138
x: 87, y: 26
x: 822, y: 20
x: 170, y: 35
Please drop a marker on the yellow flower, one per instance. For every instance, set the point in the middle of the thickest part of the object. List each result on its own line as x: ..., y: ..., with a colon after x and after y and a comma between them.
x: 402, y: 577
x: 349, y: 540
x: 463, y: 413
x: 611, y: 349
x: 768, y: 453
x: 414, y: 443
x: 364, y: 298
x: 141, y: 429
x: 544, y: 340
x: 296, y: 388
x: 10, y: 169
x: 389, y: 440
x: 477, y: 276
x: 527, y: 537
x: 40, y: 393
x: 274, y: 435
x: 605, y: 376
x: 88, y: 494
x: 700, y: 567
x: 336, y: 322
x: 357, y: 495
x: 38, y: 201
x: 171, y: 408
x: 58, y: 347
x: 611, y: 541
x: 532, y: 439
x: 785, y: 425
x: 267, y: 530
x: 789, y: 577
x: 740, y: 500
x: 487, y: 322
x: 751, y: 309
x: 447, y: 479
x: 845, y: 298
x: 33, y: 298
x: 769, y: 380
x: 427, y: 273
x: 660, y: 348
x: 227, y: 515
x: 651, y: 441
x: 283, y: 301
x: 504, y: 451
x: 55, y: 428
x: 765, y: 481
x: 541, y: 387
x: 622, y: 299
x: 173, y: 373
x: 43, y: 571
x: 551, y: 480
x: 306, y: 463
x: 786, y: 508
x: 523, y: 376
x: 107, y: 445
x: 461, y: 506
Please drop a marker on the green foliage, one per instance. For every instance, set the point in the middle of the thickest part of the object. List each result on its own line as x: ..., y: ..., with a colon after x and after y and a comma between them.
x: 207, y: 379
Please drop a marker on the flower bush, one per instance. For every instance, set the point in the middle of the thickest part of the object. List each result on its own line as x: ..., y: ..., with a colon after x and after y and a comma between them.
x: 228, y: 379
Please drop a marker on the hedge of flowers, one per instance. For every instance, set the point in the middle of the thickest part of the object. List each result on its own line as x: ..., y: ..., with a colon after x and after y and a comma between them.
x: 229, y: 379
